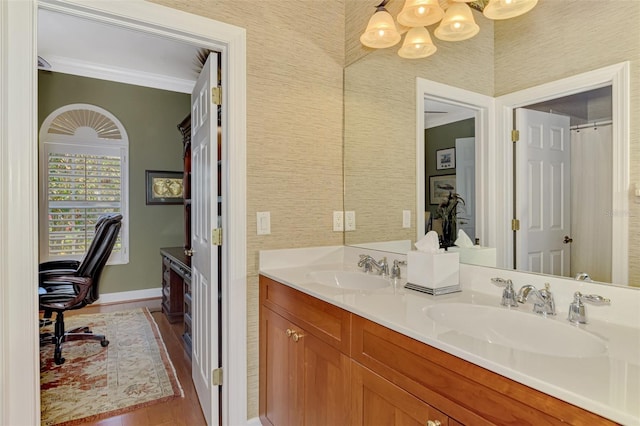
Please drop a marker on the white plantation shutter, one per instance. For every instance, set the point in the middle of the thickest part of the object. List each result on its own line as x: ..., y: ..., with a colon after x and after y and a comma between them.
x: 84, y: 175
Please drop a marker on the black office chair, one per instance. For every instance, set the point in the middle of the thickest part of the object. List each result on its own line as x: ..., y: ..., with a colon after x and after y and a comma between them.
x: 71, y: 284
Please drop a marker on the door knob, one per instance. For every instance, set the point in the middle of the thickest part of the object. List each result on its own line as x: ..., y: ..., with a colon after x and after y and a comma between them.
x: 433, y: 423
x: 297, y: 337
x: 289, y: 332
x: 567, y: 239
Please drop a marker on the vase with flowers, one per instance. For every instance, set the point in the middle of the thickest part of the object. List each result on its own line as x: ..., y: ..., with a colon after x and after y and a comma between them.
x: 447, y: 210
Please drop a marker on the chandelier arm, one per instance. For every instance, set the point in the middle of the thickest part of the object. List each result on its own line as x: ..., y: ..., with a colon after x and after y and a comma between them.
x: 382, y: 5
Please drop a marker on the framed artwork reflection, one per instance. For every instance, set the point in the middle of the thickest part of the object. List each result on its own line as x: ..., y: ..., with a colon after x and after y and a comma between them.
x: 446, y: 159
x: 440, y: 186
x: 164, y: 187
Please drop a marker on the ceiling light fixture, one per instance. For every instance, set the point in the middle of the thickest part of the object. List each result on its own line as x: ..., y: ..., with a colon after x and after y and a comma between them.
x: 455, y: 17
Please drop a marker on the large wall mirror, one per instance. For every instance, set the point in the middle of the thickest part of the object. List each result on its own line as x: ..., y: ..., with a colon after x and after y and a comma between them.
x: 386, y: 115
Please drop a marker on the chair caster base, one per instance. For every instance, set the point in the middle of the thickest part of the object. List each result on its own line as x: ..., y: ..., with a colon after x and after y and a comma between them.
x: 104, y: 343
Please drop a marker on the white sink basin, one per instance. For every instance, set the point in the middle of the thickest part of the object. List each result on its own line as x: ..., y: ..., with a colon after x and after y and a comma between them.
x: 348, y: 280
x: 517, y: 330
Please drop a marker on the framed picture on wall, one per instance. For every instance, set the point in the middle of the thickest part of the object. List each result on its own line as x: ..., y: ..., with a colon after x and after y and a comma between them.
x: 164, y: 187
x: 446, y: 159
x: 440, y: 186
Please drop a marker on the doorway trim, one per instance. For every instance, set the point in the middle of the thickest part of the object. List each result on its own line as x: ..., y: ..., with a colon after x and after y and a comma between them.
x: 19, y: 360
x: 616, y: 76
x: 483, y: 106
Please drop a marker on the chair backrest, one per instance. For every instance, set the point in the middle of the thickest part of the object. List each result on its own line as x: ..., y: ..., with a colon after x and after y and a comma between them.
x: 107, y: 230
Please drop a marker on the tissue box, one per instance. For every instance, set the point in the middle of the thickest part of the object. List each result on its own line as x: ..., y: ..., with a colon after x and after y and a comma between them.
x: 433, y: 270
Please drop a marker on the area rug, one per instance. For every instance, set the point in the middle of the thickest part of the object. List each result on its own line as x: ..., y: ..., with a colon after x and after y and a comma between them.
x: 95, y: 382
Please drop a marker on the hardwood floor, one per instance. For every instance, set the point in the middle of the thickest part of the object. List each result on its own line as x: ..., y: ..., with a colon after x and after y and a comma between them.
x: 179, y: 411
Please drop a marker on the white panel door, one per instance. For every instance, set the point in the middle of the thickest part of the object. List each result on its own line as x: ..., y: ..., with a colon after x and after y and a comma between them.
x: 466, y: 185
x: 543, y: 192
x: 204, y: 262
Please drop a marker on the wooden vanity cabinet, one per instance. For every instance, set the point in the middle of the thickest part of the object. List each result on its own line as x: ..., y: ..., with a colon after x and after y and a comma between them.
x: 467, y: 393
x: 343, y: 369
x: 304, y: 362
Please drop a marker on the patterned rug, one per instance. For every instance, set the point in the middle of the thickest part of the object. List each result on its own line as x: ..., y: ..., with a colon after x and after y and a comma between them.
x: 95, y: 382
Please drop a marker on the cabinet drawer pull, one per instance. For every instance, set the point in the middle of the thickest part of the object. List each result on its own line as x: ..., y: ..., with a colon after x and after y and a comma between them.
x: 433, y: 423
x: 297, y: 337
x: 289, y: 332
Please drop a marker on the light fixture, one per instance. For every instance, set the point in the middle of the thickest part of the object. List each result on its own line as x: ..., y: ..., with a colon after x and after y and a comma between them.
x: 455, y: 17
x: 381, y: 31
x: 417, y: 44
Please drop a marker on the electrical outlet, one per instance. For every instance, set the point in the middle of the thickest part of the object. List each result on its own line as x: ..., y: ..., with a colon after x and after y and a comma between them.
x: 350, y: 221
x: 406, y: 218
x: 338, y: 221
x: 263, y: 223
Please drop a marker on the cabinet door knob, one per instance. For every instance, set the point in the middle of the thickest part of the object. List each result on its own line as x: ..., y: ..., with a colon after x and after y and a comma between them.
x: 433, y: 423
x: 297, y: 337
x: 289, y: 332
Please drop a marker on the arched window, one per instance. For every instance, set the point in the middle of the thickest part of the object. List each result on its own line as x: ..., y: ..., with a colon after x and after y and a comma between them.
x: 83, y: 174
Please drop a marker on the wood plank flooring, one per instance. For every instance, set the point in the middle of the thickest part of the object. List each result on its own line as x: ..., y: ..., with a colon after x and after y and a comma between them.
x: 179, y: 411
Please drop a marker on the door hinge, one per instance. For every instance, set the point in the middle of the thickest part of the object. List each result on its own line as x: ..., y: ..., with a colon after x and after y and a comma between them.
x: 515, y: 135
x: 216, y: 377
x: 216, y: 95
x: 216, y: 236
x: 515, y: 225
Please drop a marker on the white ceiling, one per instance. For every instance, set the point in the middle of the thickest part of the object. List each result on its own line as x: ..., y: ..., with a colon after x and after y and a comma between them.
x: 440, y: 113
x: 89, y: 48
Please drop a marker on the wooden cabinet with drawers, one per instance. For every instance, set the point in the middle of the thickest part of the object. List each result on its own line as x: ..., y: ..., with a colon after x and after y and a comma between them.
x: 304, y: 362
x: 316, y: 357
x: 176, y: 289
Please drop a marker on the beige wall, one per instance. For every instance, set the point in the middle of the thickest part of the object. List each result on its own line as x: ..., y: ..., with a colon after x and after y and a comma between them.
x: 545, y: 46
x: 295, y: 57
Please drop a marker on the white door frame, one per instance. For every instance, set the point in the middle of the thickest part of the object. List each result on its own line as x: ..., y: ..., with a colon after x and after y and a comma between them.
x: 483, y: 106
x: 19, y: 358
x: 616, y: 76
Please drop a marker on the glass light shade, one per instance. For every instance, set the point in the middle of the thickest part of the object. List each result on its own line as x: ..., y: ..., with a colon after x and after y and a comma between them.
x: 458, y: 24
x: 417, y: 44
x: 381, y: 31
x: 420, y: 13
x: 505, y: 9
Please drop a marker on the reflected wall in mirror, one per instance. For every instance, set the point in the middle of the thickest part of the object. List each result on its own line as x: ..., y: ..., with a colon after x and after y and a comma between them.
x: 547, y: 44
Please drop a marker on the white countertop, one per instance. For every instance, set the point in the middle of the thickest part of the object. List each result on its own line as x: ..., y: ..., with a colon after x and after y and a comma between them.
x: 608, y: 385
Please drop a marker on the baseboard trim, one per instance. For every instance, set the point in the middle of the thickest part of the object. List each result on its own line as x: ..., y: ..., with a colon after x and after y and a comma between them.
x: 254, y: 422
x: 128, y: 296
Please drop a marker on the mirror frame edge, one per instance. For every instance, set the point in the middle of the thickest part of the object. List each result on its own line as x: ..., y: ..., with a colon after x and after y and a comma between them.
x: 484, y: 107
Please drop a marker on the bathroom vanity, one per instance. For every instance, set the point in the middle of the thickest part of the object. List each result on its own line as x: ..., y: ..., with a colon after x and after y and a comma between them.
x: 338, y: 355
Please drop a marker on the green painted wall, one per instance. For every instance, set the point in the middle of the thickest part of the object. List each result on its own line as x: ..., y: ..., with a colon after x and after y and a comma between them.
x: 150, y: 117
x: 443, y: 137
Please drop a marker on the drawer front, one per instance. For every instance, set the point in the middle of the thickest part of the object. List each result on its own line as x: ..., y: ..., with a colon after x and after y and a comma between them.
x: 377, y: 401
x: 468, y: 393
x: 324, y: 320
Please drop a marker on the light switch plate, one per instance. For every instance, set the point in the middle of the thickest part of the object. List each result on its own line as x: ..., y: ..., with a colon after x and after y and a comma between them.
x: 263, y: 223
x: 406, y: 218
x: 350, y: 221
x: 338, y: 221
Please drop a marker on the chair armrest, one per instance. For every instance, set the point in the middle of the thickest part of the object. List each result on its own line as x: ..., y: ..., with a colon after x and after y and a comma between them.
x: 56, y: 265
x: 82, y: 286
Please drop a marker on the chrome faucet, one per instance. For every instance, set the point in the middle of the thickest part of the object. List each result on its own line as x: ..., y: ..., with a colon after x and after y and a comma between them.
x: 544, y: 303
x: 508, y: 294
x: 577, y: 311
x: 583, y: 276
x: 368, y: 263
x: 395, y: 270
